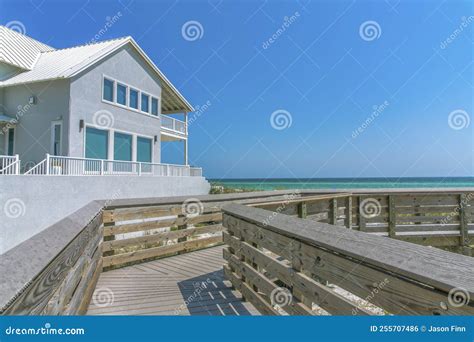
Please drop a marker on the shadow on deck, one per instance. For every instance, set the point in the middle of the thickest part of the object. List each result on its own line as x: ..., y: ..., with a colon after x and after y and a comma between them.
x: 187, y: 284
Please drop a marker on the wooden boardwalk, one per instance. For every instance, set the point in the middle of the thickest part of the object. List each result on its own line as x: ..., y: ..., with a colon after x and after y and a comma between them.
x: 187, y: 284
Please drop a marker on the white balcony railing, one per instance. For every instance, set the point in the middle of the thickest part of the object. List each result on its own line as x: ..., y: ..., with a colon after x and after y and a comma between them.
x: 70, y: 166
x: 9, y: 165
x: 173, y: 124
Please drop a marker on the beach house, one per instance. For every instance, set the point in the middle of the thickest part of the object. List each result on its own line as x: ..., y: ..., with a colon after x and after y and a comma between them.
x: 105, y: 101
x: 85, y: 123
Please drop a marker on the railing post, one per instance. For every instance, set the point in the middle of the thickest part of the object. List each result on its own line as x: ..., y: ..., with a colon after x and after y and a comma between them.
x: 302, y: 211
x: 391, y: 216
x: 101, y: 167
x: 349, y: 212
x: 463, y: 224
x: 17, y: 164
x: 362, y: 220
x: 47, y: 163
x: 139, y: 168
x: 333, y: 212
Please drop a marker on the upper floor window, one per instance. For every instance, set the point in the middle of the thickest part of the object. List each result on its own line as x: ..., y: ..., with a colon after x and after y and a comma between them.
x: 108, y: 90
x: 133, y: 98
x: 154, y: 106
x: 121, y: 94
x: 145, y: 103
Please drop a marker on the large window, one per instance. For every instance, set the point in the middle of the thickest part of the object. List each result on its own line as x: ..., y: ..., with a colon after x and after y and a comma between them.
x: 97, y: 143
x: 154, y: 106
x: 122, y: 146
x: 121, y: 94
x: 145, y: 103
x: 133, y: 98
x: 144, y: 150
x: 108, y: 90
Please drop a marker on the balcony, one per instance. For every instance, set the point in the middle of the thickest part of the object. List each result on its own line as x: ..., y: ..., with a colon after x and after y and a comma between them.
x: 173, y: 128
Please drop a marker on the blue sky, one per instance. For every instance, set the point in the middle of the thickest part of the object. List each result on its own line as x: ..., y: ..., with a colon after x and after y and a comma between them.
x: 326, y: 72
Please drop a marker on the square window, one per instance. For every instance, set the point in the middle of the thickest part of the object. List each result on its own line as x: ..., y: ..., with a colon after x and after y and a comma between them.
x: 108, y: 90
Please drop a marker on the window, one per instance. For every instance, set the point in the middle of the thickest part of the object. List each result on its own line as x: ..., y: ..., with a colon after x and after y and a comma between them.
x: 122, y: 146
x: 97, y: 143
x: 108, y: 90
x: 56, y: 131
x: 11, y: 142
x: 145, y: 104
x: 121, y: 94
x: 133, y: 98
x: 144, y: 150
x: 154, y: 106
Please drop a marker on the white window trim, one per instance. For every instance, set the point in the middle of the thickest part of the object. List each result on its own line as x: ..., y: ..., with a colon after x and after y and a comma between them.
x: 129, y: 86
x: 110, y: 150
x: 51, y: 146
x: 7, y: 146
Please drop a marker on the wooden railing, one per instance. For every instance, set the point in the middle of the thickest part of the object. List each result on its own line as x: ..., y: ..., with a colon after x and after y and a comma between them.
x: 438, y: 218
x: 54, y: 272
x: 141, y: 233
x: 285, y: 265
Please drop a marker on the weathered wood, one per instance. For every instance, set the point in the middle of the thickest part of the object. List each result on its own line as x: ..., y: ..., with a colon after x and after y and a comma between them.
x: 392, y: 215
x: 160, y: 237
x: 302, y: 210
x: 426, y: 267
x: 154, y: 252
x: 348, y: 212
x: 34, y: 298
x: 463, y: 220
x: 311, y: 289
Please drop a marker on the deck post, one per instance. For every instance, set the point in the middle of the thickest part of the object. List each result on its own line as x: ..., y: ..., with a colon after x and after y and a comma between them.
x: 463, y: 222
x: 333, y: 212
x: 391, y: 216
x: 362, y: 220
x: 302, y: 210
x: 349, y: 212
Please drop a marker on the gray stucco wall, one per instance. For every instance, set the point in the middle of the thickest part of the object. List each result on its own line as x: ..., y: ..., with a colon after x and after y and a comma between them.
x: 33, y: 136
x: 29, y: 204
x: 86, y: 99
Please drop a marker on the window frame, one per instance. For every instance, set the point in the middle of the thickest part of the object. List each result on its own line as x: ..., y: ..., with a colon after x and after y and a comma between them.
x: 126, y: 94
x: 130, y: 88
x: 151, y: 147
x: 142, y: 94
x: 53, y: 131
x: 7, y: 141
x: 157, y: 106
x: 104, y: 78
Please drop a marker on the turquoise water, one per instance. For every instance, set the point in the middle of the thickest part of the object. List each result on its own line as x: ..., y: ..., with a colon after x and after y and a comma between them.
x: 345, y: 183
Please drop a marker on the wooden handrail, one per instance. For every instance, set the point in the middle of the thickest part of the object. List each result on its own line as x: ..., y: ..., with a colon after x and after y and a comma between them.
x: 421, y: 279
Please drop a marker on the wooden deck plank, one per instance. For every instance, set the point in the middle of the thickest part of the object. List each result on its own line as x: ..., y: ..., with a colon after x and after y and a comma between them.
x: 187, y: 284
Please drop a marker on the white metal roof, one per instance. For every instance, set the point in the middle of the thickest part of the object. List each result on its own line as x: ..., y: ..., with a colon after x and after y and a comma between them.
x: 65, y: 63
x: 19, y: 50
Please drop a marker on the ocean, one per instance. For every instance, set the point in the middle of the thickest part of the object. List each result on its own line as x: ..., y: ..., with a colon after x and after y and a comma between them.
x: 345, y: 183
